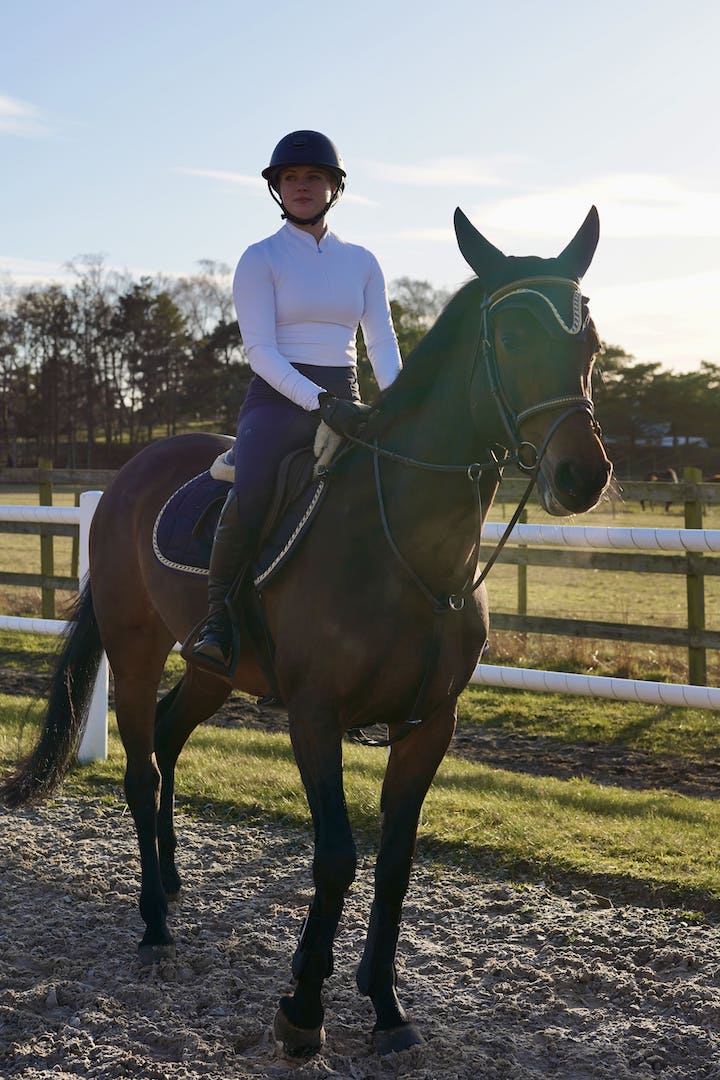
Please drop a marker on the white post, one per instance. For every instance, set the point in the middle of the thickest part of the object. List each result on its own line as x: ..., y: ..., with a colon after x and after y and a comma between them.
x: 94, y: 743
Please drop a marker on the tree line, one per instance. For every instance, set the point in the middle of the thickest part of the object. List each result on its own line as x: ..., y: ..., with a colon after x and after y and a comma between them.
x: 642, y: 404
x: 93, y: 369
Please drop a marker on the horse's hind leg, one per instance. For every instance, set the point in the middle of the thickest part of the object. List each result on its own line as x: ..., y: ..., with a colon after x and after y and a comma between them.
x: 137, y: 660
x: 317, y: 744
x: 196, y: 697
x: 411, y: 768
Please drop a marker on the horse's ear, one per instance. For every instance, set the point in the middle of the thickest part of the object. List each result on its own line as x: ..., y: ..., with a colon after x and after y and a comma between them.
x: 486, y: 260
x: 578, y: 255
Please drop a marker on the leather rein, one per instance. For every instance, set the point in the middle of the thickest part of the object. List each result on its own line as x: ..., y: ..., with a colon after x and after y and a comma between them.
x: 524, y: 454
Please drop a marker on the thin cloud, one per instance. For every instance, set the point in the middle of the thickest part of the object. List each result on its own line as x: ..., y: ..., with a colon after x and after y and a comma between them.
x: 23, y: 273
x: 653, y: 316
x: 20, y: 118
x: 693, y: 294
x: 427, y: 234
x: 256, y: 183
x: 442, y: 172
x: 237, y: 179
x: 358, y: 200
x: 631, y: 205
x: 33, y: 271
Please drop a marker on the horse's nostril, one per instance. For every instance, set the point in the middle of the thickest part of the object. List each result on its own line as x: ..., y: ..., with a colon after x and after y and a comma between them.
x: 577, y: 484
x: 565, y: 478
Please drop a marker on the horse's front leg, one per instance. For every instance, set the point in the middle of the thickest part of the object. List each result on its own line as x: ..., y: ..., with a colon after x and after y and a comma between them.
x: 316, y: 740
x: 412, y: 765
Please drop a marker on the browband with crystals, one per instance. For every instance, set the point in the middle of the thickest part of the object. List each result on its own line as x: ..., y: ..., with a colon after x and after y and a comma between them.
x: 521, y: 288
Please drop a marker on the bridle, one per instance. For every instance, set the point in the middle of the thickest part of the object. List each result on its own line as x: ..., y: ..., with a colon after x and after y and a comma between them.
x: 524, y: 454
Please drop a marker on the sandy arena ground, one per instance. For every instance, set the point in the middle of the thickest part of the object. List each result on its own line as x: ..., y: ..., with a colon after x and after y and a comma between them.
x: 506, y: 981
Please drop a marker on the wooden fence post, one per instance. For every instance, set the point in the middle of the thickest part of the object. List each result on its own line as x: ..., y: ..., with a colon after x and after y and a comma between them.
x: 697, y: 658
x: 75, y: 551
x: 47, y: 554
x: 522, y: 573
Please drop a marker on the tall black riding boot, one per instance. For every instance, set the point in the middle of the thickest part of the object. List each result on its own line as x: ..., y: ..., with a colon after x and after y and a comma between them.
x: 233, y: 548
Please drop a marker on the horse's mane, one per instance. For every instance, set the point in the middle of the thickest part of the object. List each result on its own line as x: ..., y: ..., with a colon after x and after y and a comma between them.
x: 424, y: 363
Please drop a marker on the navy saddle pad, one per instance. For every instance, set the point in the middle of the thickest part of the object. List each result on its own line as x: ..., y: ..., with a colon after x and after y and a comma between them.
x: 185, y: 527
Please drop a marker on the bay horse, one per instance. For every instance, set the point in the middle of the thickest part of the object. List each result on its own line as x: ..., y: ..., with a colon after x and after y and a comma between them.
x: 380, y: 616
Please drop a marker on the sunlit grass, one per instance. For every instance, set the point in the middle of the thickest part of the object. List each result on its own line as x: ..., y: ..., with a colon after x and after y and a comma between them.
x: 616, y: 840
x: 32, y: 653
x: 656, y: 729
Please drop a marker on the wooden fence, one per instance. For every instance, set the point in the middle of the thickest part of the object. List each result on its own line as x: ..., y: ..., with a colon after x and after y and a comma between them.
x: 691, y: 493
x: 694, y: 496
x: 45, y: 479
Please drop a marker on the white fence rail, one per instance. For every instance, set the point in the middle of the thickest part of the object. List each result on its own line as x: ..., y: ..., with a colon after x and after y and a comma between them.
x: 602, y: 537
x: 94, y: 743
x: 561, y: 682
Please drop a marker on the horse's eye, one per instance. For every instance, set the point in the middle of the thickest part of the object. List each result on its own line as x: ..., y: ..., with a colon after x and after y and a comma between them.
x: 511, y: 342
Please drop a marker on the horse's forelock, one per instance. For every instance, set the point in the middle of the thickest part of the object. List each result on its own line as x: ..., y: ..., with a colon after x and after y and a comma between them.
x: 518, y: 267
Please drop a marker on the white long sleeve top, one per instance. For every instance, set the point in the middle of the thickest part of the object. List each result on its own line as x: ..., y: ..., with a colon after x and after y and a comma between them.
x: 299, y: 301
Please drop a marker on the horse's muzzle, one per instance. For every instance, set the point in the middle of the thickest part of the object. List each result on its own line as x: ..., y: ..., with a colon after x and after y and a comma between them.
x: 572, y: 488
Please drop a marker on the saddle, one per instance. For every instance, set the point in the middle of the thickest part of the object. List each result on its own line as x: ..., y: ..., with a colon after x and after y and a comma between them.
x: 183, y: 537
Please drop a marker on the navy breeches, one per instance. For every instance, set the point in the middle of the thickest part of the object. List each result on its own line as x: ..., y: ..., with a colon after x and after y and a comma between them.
x: 270, y: 426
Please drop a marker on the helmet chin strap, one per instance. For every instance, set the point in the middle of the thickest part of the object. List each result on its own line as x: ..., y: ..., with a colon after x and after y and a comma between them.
x: 305, y: 221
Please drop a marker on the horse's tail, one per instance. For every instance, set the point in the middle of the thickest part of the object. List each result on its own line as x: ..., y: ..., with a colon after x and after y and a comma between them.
x: 69, y: 695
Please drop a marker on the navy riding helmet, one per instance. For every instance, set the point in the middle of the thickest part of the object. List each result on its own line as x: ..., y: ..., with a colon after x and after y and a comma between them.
x: 305, y: 148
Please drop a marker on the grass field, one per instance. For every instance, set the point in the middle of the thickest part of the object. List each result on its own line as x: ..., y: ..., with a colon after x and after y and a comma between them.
x: 626, y: 843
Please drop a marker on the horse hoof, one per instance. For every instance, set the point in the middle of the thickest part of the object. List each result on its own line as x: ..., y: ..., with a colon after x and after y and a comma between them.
x: 396, y: 1039
x: 153, y: 954
x: 296, y: 1042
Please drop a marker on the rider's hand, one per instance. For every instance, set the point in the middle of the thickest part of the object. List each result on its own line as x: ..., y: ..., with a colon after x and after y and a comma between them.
x: 344, y: 417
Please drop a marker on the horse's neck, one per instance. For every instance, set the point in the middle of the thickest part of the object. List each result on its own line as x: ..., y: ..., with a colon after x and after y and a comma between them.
x: 456, y: 419
x: 434, y: 515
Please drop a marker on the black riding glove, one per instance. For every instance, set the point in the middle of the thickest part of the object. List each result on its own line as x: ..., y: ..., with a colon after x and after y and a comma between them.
x: 342, y: 416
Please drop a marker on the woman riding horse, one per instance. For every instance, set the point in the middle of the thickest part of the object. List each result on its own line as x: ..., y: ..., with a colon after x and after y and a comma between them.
x: 379, y: 617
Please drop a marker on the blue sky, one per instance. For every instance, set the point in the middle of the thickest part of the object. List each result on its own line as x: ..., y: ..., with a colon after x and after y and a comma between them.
x: 138, y: 130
